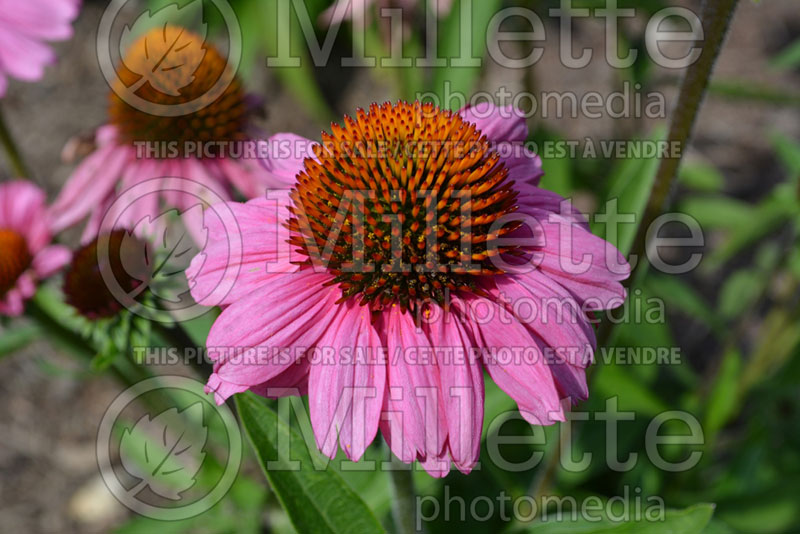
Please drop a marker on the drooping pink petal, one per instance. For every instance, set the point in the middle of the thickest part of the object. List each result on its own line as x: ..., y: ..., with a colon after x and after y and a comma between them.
x: 346, y: 384
x: 462, y: 388
x: 513, y: 359
x: 89, y: 185
x: 414, y: 421
x: 552, y: 315
x: 588, y: 266
x: 291, y: 381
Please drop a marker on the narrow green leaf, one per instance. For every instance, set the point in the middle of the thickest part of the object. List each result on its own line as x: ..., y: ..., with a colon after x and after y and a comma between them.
x: 557, y: 175
x: 631, y: 181
x: 676, y: 293
x: 299, y: 80
x: 612, y: 380
x: 724, y: 397
x: 789, y: 57
x: 717, y: 211
x: 740, y: 292
x: 701, y: 176
x: 457, y: 79
x: 17, y: 338
x: 317, y: 501
x: 788, y: 151
x: 770, y: 214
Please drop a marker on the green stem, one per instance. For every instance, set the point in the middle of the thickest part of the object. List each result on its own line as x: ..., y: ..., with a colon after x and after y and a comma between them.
x: 716, y: 17
x: 76, y: 344
x: 13, y: 153
x: 403, y: 502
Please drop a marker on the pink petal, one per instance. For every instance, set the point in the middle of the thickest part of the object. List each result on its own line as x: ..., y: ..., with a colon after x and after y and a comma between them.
x: 24, y: 57
x: 541, y: 202
x: 346, y: 384
x: 274, y: 326
x: 462, y: 390
x: 230, y: 267
x: 89, y: 185
x: 414, y: 420
x: 293, y: 381
x: 588, y: 266
x: 287, y: 153
x: 50, y: 260
x: 551, y: 314
x: 22, y: 208
x: 12, y: 303
x: 514, y: 360
x: 497, y: 124
x: 249, y: 181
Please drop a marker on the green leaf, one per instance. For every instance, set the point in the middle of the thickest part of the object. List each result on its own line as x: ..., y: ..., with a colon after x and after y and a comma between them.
x: 300, y: 80
x: 770, y: 214
x: 724, y: 397
x: 718, y: 527
x: 788, y: 151
x: 615, y: 380
x: 701, y: 176
x: 690, y: 520
x: 557, y: 174
x: 631, y: 181
x: 679, y: 295
x: 740, y: 292
x: 753, y: 92
x: 17, y: 338
x: 717, y: 211
x: 462, y: 80
x: 789, y: 57
x: 317, y: 501
x: 769, y: 511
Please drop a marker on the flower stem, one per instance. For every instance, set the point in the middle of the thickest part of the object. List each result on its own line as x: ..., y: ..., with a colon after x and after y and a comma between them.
x: 403, y: 502
x: 716, y: 19
x: 13, y: 153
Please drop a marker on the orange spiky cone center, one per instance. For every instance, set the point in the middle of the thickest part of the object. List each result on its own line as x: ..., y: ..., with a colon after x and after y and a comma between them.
x: 403, y: 204
x: 172, y: 66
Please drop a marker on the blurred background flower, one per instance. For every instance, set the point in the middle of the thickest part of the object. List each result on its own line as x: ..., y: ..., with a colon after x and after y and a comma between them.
x: 24, y: 29
x: 209, y: 143
x: 28, y: 256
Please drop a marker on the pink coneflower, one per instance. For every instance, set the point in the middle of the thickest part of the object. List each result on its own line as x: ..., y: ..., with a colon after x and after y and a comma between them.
x: 343, y: 10
x: 26, y: 255
x: 473, y: 268
x: 24, y: 28
x: 210, y: 146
